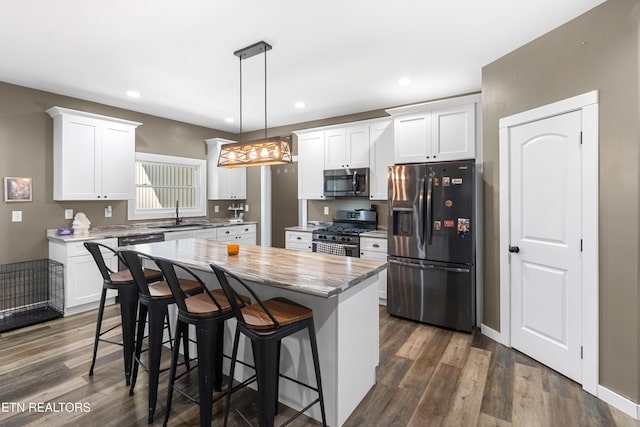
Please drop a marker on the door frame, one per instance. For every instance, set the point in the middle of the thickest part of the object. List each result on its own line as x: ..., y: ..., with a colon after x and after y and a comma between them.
x: 588, y: 104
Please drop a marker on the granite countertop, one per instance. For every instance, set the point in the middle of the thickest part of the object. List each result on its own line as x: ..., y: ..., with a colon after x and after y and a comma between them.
x: 305, y: 228
x: 376, y: 234
x: 312, y: 273
x: 140, y: 229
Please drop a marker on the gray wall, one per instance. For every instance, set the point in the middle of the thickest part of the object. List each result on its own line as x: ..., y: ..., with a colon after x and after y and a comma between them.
x: 26, y: 147
x: 598, y: 50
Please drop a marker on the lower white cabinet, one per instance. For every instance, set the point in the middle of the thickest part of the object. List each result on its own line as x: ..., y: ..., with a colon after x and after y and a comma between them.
x: 82, y: 279
x: 233, y: 233
x: 298, y: 240
x: 375, y: 248
x: 177, y: 235
x: 237, y: 233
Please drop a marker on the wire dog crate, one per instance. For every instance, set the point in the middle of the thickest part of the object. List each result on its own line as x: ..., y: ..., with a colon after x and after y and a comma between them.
x: 30, y: 292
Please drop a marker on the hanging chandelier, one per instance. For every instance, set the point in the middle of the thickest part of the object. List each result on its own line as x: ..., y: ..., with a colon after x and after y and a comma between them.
x: 260, y: 152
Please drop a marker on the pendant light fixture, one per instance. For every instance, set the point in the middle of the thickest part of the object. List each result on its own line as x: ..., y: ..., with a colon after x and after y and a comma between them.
x: 261, y: 152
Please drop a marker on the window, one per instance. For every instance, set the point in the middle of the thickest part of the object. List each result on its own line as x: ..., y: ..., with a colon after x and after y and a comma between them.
x: 161, y: 181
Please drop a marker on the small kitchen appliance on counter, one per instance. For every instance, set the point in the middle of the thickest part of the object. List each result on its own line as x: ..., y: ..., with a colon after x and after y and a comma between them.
x: 343, y: 236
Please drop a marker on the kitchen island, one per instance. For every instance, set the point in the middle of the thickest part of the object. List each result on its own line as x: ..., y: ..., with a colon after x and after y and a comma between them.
x: 342, y: 292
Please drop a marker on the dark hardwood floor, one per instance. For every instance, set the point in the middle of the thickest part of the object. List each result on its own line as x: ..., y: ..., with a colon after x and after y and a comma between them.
x: 427, y: 377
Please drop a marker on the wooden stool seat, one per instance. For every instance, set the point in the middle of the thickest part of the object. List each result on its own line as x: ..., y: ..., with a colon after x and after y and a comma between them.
x: 202, y: 305
x: 283, y: 310
x: 161, y: 290
x: 124, y: 277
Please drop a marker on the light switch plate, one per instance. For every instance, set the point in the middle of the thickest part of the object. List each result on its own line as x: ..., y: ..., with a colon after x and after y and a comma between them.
x: 16, y: 216
x: 246, y: 208
x: 326, y: 210
x: 68, y: 214
x: 216, y: 208
x: 108, y: 212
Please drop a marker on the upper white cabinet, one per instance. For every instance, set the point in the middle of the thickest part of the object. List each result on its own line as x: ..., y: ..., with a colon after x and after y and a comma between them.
x: 365, y: 144
x: 93, y: 156
x: 311, y: 164
x: 346, y: 147
x: 380, y: 158
x: 436, y: 131
x: 224, y: 183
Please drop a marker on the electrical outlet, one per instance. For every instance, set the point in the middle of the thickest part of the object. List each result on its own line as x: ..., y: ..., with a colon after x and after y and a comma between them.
x: 68, y: 214
x: 108, y: 212
x: 246, y: 208
x: 216, y: 208
x: 16, y: 216
x: 326, y: 210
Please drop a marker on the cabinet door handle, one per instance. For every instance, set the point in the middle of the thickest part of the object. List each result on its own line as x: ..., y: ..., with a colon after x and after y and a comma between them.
x: 299, y: 238
x: 375, y: 245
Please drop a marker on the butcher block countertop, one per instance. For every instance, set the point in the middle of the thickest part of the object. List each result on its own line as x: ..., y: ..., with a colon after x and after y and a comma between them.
x: 311, y: 273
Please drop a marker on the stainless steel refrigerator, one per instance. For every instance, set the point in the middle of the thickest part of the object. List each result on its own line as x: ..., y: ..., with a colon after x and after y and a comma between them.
x: 431, y: 272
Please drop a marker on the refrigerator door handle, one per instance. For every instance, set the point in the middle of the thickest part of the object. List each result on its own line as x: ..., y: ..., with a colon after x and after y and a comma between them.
x: 429, y: 219
x: 430, y: 266
x: 421, y: 211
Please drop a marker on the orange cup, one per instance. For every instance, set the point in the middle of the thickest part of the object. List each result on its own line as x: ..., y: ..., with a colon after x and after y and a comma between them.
x: 233, y: 249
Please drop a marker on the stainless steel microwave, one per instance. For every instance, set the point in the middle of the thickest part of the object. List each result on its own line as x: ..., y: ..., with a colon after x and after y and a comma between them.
x: 346, y: 182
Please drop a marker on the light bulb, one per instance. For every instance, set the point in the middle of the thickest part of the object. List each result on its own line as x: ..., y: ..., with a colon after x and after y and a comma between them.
x: 264, y: 152
x: 253, y: 154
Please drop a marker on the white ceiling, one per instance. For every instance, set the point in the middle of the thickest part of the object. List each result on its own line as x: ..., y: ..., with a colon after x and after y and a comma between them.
x: 337, y: 56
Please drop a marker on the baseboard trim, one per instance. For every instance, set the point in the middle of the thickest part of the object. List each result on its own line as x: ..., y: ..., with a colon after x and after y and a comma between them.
x: 622, y: 403
x: 492, y: 333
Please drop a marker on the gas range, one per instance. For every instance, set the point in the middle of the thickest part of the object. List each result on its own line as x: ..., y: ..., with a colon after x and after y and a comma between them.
x: 343, y: 236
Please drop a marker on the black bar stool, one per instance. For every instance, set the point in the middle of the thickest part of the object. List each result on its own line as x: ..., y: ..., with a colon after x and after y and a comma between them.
x: 123, y: 282
x: 266, y: 323
x: 154, y: 299
x: 207, y: 312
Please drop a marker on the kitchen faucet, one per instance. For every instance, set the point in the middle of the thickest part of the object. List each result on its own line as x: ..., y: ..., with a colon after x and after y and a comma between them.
x: 178, y: 217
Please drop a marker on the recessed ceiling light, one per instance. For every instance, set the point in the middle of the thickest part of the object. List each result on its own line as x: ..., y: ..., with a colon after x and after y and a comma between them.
x: 404, y: 81
x: 229, y: 120
x: 300, y: 104
x: 133, y: 94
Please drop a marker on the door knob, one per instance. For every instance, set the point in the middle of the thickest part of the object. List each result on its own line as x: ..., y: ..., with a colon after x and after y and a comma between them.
x: 514, y: 249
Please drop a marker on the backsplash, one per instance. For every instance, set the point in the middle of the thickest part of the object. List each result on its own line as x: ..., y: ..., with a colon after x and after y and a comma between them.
x: 315, y: 208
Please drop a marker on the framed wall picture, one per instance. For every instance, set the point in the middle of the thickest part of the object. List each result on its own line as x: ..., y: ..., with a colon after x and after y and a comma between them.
x: 17, y: 189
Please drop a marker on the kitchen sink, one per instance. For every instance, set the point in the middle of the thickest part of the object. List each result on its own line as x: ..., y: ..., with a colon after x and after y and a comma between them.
x: 181, y: 225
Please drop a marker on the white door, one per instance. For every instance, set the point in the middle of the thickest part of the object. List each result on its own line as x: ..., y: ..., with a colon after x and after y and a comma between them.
x: 545, y: 241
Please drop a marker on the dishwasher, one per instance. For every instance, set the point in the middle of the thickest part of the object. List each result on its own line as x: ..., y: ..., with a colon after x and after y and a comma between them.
x: 138, y: 240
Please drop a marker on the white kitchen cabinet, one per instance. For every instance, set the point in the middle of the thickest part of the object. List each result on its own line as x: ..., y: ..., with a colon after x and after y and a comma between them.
x: 380, y: 158
x: 436, y: 131
x: 298, y: 240
x: 82, y: 279
x: 177, y: 235
x: 346, y: 147
x: 376, y: 248
x: 311, y: 165
x: 412, y: 138
x: 224, y: 183
x: 237, y: 234
x: 93, y: 156
x: 453, y: 132
x: 205, y: 233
